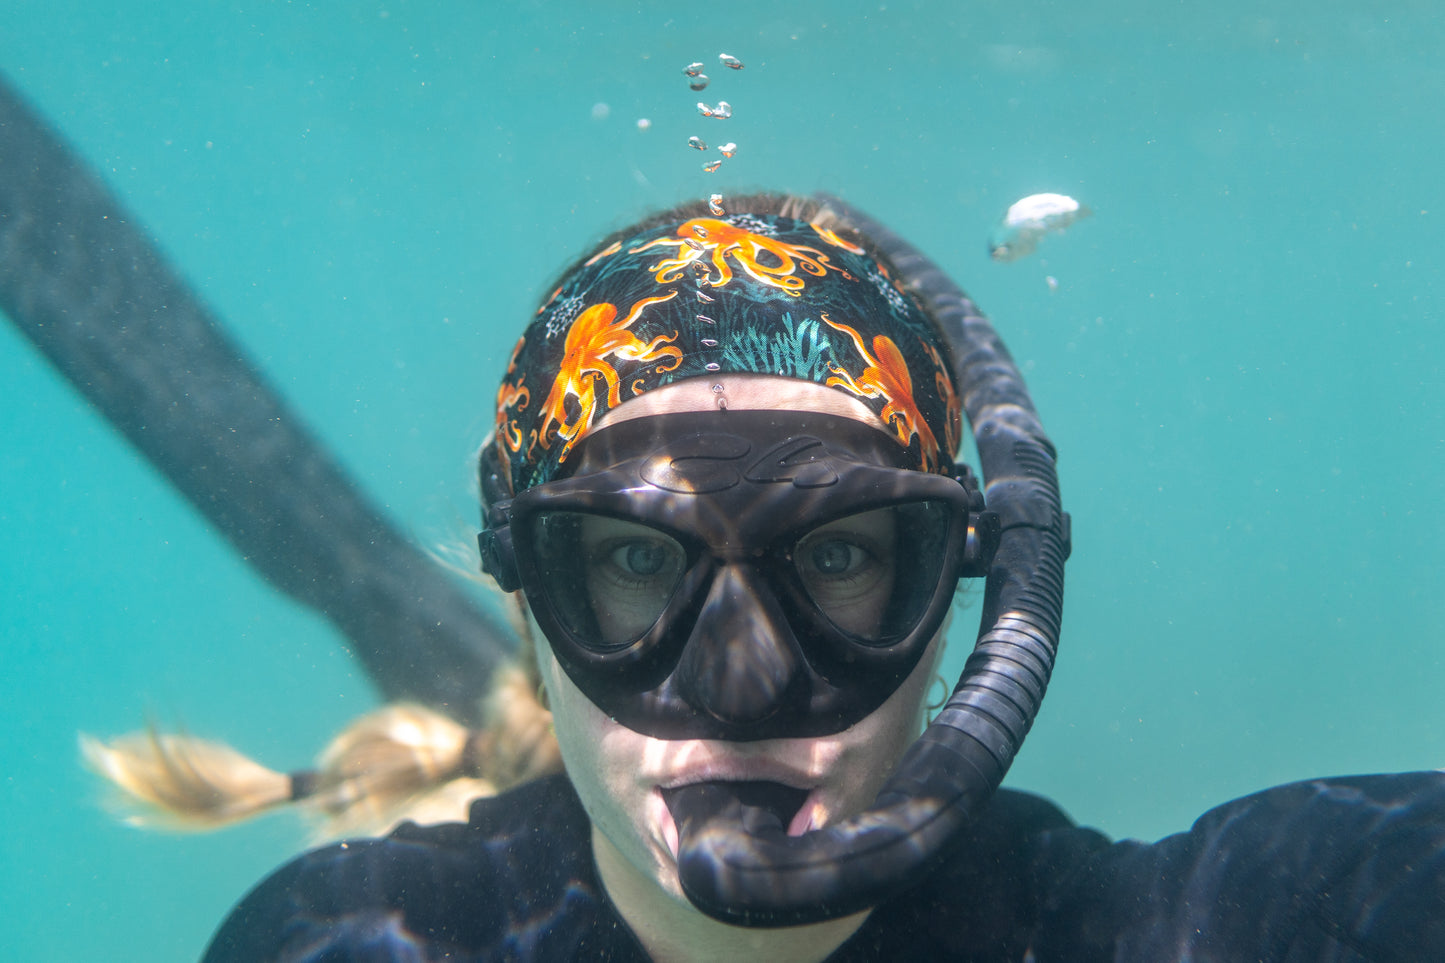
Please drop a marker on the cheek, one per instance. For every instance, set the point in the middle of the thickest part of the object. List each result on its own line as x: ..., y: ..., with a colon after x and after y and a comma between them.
x: 577, y: 733
x: 600, y: 756
x: 603, y: 762
x: 901, y: 717
x: 873, y: 747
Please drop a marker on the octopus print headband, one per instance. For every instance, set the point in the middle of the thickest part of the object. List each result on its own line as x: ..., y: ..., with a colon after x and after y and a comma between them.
x: 739, y: 293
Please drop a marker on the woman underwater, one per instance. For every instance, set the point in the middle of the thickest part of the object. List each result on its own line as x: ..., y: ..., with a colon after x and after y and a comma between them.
x: 723, y: 478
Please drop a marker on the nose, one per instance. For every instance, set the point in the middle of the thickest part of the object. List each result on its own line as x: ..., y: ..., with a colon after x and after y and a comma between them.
x: 741, y: 658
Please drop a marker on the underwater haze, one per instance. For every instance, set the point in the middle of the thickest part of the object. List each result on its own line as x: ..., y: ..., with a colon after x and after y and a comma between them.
x: 1238, y: 356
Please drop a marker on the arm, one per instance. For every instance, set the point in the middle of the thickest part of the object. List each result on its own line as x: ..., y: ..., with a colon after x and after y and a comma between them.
x: 1333, y: 869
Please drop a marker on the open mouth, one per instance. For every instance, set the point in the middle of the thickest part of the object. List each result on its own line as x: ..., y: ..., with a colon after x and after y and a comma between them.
x: 756, y: 804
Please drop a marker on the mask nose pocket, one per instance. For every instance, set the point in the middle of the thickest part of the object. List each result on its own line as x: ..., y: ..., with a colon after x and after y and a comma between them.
x: 741, y: 660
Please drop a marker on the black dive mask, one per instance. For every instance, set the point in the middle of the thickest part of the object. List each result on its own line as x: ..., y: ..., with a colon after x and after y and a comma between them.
x: 740, y: 575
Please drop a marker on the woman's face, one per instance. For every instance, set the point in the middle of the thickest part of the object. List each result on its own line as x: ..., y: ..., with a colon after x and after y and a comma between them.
x: 619, y: 773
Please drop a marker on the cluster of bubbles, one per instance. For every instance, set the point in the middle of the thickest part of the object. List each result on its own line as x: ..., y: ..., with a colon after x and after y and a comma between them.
x: 722, y: 110
x: 698, y: 80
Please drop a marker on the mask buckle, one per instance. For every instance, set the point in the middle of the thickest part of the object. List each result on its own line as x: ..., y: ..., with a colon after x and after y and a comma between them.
x: 495, y: 543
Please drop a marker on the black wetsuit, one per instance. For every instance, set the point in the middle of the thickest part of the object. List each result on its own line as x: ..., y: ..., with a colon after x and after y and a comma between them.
x: 1330, y: 870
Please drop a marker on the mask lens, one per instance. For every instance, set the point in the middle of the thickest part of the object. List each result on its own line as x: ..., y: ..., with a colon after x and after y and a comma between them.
x: 607, y: 579
x: 873, y: 574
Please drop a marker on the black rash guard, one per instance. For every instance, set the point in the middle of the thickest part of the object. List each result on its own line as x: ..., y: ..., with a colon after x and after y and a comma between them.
x: 1349, y: 869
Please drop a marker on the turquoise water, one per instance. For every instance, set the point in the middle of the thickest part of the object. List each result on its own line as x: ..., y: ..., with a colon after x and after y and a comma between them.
x: 1241, y: 364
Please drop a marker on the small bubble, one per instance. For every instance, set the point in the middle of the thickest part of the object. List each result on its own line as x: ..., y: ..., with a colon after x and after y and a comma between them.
x: 705, y: 298
x: 713, y: 366
x: 714, y: 204
x: 695, y: 245
x: 722, y: 111
x: 709, y: 343
x: 699, y: 269
x: 600, y: 111
x: 699, y: 82
x: 728, y: 60
x: 711, y: 166
x: 705, y: 319
x: 728, y: 149
x: 722, y: 403
x: 697, y: 143
x: 699, y: 230
x: 716, y: 389
x: 643, y: 123
x: 694, y: 68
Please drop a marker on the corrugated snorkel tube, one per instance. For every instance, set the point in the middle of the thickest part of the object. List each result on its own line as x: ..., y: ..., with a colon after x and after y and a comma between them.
x: 738, y: 864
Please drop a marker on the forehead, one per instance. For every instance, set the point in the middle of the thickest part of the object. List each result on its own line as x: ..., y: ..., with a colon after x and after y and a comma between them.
x: 743, y: 392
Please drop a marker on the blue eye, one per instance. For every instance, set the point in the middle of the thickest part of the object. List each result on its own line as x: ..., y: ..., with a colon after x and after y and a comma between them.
x: 836, y: 557
x: 640, y: 557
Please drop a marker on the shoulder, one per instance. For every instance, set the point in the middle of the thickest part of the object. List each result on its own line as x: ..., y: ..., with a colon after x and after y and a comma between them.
x: 981, y: 902
x: 1350, y: 868
x: 515, y: 881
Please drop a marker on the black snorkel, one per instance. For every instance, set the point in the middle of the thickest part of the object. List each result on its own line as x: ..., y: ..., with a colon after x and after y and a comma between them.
x: 735, y: 861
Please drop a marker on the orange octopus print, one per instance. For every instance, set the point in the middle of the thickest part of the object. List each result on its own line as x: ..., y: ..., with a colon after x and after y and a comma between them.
x: 719, y: 243
x: 594, y: 337
x: 607, y: 251
x: 886, y: 376
x: 953, y: 406
x: 833, y: 239
x: 508, y: 436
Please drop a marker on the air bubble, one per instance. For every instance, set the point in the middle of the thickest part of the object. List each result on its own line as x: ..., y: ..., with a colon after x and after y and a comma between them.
x: 694, y: 244
x: 728, y: 60
x: 693, y: 69
x: 699, y: 82
x: 713, y: 366
x: 705, y: 319
x: 714, y: 204
x: 722, y: 111
x: 709, y: 343
x: 716, y: 389
x: 711, y: 166
x: 1028, y: 220
x: 706, y: 298
x: 700, y: 231
x: 728, y: 149
x: 697, y: 143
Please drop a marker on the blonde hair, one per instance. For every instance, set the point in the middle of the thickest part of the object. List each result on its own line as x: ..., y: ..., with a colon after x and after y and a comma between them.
x: 401, y: 762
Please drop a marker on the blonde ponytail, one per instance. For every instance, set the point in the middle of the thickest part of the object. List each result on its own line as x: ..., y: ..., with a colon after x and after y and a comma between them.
x: 401, y: 762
